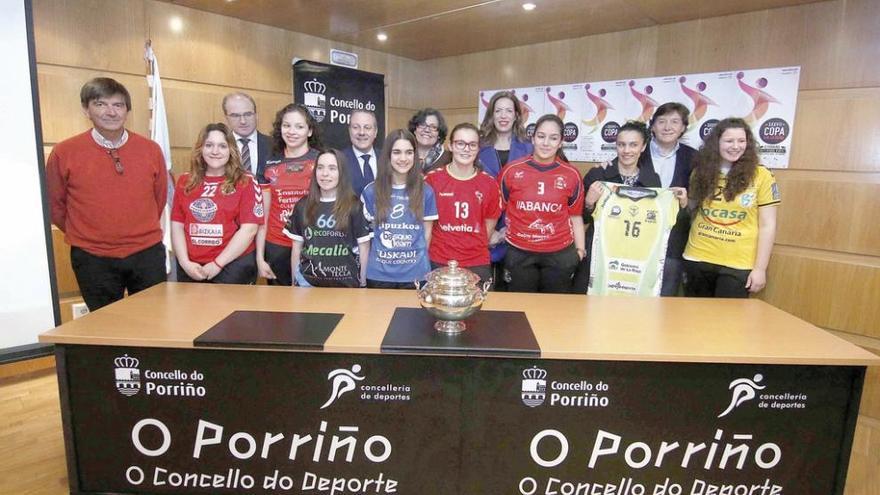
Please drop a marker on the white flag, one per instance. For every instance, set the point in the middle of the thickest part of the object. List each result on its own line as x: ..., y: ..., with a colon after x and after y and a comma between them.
x: 159, y: 134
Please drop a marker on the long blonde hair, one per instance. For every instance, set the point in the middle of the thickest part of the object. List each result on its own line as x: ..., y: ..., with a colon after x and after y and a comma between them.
x: 233, y: 173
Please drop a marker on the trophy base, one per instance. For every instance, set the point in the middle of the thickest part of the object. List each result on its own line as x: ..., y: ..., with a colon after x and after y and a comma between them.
x: 450, y: 327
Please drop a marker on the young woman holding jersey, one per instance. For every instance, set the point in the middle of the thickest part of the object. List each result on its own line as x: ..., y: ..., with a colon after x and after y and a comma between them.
x: 288, y: 175
x: 626, y: 169
x: 734, y: 200
x: 402, y: 209
x: 544, y: 200
x: 502, y: 140
x: 331, y: 237
x: 468, y: 203
x: 216, y: 212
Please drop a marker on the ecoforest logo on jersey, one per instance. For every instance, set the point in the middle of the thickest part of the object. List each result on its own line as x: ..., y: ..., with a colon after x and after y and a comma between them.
x: 583, y: 393
x: 173, y: 383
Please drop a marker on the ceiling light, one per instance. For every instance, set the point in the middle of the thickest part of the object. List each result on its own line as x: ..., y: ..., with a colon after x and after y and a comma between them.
x: 382, y: 37
x: 529, y: 6
x: 176, y: 24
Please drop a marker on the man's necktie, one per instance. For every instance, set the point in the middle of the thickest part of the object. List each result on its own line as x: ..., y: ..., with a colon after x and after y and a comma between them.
x: 368, y: 170
x: 245, y: 154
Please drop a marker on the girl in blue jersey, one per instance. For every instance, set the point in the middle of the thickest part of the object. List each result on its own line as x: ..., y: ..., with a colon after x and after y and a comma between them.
x: 402, y: 211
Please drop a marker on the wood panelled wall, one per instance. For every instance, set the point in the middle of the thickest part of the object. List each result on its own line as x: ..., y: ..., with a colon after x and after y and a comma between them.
x: 826, y: 264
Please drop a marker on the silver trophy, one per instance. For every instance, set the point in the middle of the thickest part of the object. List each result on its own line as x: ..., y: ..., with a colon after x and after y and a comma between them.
x: 452, y: 294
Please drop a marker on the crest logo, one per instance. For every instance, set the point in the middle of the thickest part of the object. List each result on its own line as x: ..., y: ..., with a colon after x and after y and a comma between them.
x: 342, y: 380
x: 128, y: 376
x: 203, y: 209
x: 534, y: 386
x: 314, y: 100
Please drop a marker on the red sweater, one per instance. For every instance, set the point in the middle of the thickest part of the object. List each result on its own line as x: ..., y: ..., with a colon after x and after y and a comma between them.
x: 99, y: 210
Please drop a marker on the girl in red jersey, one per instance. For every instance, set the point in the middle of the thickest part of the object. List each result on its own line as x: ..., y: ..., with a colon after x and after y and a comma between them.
x: 543, y: 200
x: 331, y: 237
x: 288, y: 175
x: 217, y: 210
x: 469, y: 204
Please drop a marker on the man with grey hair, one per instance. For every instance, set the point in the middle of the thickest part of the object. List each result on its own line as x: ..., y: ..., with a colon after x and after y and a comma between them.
x: 361, y: 156
x: 253, y: 146
x: 107, y: 189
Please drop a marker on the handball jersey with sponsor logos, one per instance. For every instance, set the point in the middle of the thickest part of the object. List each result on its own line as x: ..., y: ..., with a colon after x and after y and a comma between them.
x: 726, y: 232
x: 398, y: 252
x: 463, y: 206
x: 210, y: 217
x: 287, y: 180
x: 631, y: 227
x: 539, y: 200
x: 329, y: 256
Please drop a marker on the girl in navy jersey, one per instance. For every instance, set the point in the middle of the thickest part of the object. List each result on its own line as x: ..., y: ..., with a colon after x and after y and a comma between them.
x: 331, y: 237
x: 288, y: 175
x: 503, y: 140
x: 543, y: 201
x: 217, y: 209
x: 402, y: 209
x: 468, y: 203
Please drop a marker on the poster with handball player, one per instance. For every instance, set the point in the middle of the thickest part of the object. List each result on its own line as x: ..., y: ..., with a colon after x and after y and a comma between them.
x: 594, y: 111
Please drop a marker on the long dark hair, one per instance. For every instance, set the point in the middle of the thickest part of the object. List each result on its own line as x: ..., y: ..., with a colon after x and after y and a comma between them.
x: 487, y: 127
x: 346, y: 201
x: 414, y: 183
x: 278, y: 144
x: 707, y: 164
x: 233, y: 173
x: 549, y: 117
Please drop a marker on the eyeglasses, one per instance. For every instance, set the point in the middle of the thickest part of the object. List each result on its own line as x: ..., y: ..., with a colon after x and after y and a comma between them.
x: 464, y: 145
x: 239, y: 116
x: 114, y: 154
x: 429, y: 127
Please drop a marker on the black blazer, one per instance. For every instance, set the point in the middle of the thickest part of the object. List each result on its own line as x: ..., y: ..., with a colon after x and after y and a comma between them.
x: 358, y: 183
x: 684, y: 162
x: 264, y: 152
x: 684, y: 159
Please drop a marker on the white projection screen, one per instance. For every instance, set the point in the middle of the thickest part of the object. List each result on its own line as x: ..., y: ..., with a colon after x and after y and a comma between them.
x: 27, y: 276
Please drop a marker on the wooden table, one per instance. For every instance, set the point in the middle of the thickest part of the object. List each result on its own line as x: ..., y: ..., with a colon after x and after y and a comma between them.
x: 458, y: 422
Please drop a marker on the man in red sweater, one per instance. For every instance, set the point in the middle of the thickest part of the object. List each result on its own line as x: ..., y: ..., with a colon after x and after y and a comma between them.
x: 107, y: 188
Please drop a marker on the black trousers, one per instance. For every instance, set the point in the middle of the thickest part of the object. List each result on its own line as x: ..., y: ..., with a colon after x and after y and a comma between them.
x: 278, y: 258
x: 379, y: 284
x: 104, y: 280
x: 242, y: 271
x: 711, y: 280
x: 527, y: 271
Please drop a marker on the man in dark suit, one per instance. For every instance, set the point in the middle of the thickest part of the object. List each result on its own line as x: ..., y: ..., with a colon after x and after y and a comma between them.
x: 360, y: 156
x: 253, y: 146
x: 672, y: 161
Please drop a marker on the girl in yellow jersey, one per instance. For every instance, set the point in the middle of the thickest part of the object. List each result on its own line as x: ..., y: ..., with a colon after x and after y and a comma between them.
x: 734, y: 200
